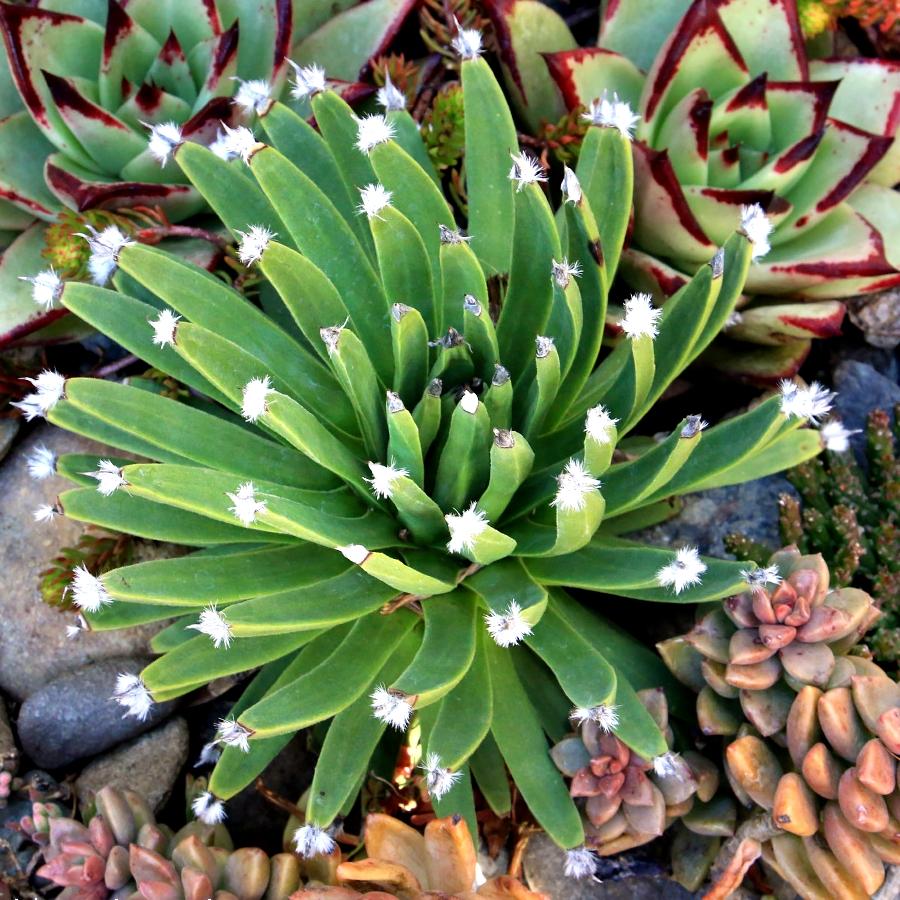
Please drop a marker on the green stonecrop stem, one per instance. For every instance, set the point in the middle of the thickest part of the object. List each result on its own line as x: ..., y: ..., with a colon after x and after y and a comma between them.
x: 392, y: 481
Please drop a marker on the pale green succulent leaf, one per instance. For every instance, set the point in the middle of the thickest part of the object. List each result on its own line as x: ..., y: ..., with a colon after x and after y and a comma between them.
x: 311, y: 697
x: 409, y: 138
x: 768, y: 36
x: 639, y: 28
x: 518, y: 733
x: 461, y: 274
x: 511, y: 461
x: 173, y: 635
x: 490, y: 141
x: 23, y: 149
x: 350, y: 742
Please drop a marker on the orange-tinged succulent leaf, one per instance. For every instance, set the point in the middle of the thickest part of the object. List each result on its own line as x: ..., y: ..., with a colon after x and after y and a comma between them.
x: 802, y: 728
x: 753, y: 765
x: 822, y: 771
x: 449, y: 855
x: 729, y: 880
x: 794, y: 866
x: 794, y: 806
x: 395, y: 842
x: 378, y: 871
x: 755, y: 677
x: 876, y: 768
x: 841, y: 724
x: 852, y: 849
x: 861, y: 806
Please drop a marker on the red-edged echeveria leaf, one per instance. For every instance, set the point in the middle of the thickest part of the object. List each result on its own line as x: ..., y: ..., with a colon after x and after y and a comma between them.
x: 38, y: 41
x: 82, y: 189
x: 664, y: 223
x: 700, y: 53
x: 346, y: 43
x: 128, y: 52
x: 526, y: 31
x: 638, y: 28
x: 741, y: 116
x: 868, y: 96
x: 584, y: 74
x: 150, y: 103
x: 768, y: 35
x: 171, y: 72
x: 221, y: 68
x: 719, y: 211
x: 841, y: 256
x: 23, y: 150
x: 880, y: 206
x: 781, y: 323
x: 685, y: 135
x: 264, y: 46
x: 764, y: 366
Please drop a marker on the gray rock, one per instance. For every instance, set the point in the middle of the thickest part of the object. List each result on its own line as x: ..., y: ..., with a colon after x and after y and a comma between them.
x: 9, y: 428
x: 543, y: 864
x: 75, y: 716
x: 33, y: 645
x: 860, y: 389
x: 148, y: 764
x: 750, y: 509
x: 9, y: 753
x: 878, y: 317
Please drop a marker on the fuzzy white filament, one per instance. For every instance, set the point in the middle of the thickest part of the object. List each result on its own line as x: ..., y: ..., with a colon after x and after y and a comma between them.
x: 74, y: 631
x: 233, y: 734
x: 105, y: 247
x: 571, y: 186
x: 208, y: 808
x: 756, y: 227
x: 573, y: 485
x: 613, y: 113
x: 812, y: 403
x: 356, y: 553
x: 46, y: 287
x: 49, y: 388
x: 310, y: 841
x: 606, y: 717
x: 525, y: 170
x: 683, y: 572
x: 163, y: 140
x: 235, y: 143
x: 373, y: 130
x: 132, y: 693
x: 564, y: 272
x: 759, y: 578
x: 88, y: 592
x: 467, y: 43
x: 391, y: 707
x: 383, y: 478
x: 390, y: 96
x: 254, y: 402
x: 253, y: 244
x: 374, y: 197
x: 210, y: 754
x: 109, y: 477
x: 164, y: 326
x: 580, y: 863
x: 667, y: 764
x: 246, y: 507
x: 45, y: 513
x: 438, y: 779
x: 641, y: 318
x: 252, y: 96
x: 41, y: 462
x: 836, y: 437
x: 599, y: 425
x: 465, y: 528
x: 308, y: 80
x: 469, y: 402
x: 509, y: 627
x: 214, y: 624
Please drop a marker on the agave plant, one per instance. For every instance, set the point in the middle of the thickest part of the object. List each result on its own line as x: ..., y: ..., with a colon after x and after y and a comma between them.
x: 392, y: 490
x: 732, y: 112
x: 818, y: 748
x: 87, y: 82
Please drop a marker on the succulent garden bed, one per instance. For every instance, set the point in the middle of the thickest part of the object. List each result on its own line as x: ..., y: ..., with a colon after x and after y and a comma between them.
x: 449, y: 448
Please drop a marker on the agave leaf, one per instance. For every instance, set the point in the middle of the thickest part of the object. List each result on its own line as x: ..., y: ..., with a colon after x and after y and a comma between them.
x: 235, y: 768
x: 350, y: 742
x: 148, y: 520
x: 346, y: 42
x: 463, y: 718
x: 233, y: 196
x: 462, y: 468
x: 517, y: 731
x: 404, y: 265
x: 481, y: 336
x: 192, y: 434
x: 583, y: 673
x: 322, y: 235
x: 447, y: 649
x: 511, y: 462
x: 200, y: 578
x: 307, y: 149
x: 409, y: 138
x: 198, y: 660
x: 173, y: 635
x: 490, y: 140
x: 489, y: 771
x: 310, y: 698
x: 529, y: 296
x: 404, y: 443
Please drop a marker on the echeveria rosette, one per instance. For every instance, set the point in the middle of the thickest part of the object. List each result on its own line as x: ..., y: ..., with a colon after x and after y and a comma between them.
x: 734, y: 113
x: 810, y: 728
x: 392, y: 490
